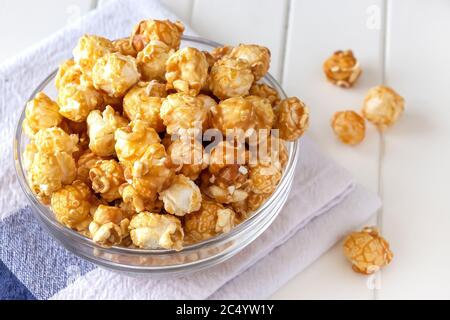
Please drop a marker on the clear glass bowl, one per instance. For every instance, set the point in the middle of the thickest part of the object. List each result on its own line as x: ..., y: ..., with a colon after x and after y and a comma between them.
x: 159, y: 263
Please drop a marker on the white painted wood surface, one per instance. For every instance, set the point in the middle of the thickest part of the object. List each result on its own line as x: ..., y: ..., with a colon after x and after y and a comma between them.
x: 403, y: 43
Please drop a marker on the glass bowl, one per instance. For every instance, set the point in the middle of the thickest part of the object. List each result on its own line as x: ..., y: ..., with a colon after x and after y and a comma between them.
x: 159, y: 263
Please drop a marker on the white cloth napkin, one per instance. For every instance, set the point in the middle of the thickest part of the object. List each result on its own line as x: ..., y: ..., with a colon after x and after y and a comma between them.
x: 324, y: 204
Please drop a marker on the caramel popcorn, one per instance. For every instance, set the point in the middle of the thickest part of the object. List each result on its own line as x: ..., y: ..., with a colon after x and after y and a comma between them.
x: 367, y: 251
x: 77, y: 101
x: 258, y: 58
x: 101, y: 129
x: 183, y: 112
x: 132, y: 141
x: 72, y: 205
x: 383, y: 106
x: 210, y: 220
x: 188, y: 155
x: 265, y: 91
x: 187, y: 71
x: 264, y: 114
x: 292, y: 119
x: 233, y: 113
x: 140, y: 104
x: 55, y: 140
x: 108, y: 227
x: 125, y: 47
x: 163, y: 30
x: 182, y: 197
x: 220, y: 52
x: 89, y: 49
x: 264, y: 178
x: 231, y: 78
x: 41, y: 113
x: 349, y: 127
x: 342, y: 68
x: 115, y: 73
x: 226, y: 154
x: 68, y: 73
x: 107, y: 176
x: 85, y: 163
x: 152, y: 60
x: 155, y: 231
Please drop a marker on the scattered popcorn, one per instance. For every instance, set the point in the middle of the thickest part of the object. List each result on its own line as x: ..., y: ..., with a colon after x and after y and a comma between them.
x: 258, y: 58
x: 292, y: 119
x: 162, y: 30
x: 41, y: 113
x: 349, y: 127
x: 342, y: 68
x: 182, y: 197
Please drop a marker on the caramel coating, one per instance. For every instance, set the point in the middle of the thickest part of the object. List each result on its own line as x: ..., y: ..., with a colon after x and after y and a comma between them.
x: 226, y: 154
x: 152, y: 60
x: 188, y: 155
x: 212, y: 219
x: 265, y: 116
x: 69, y: 73
x: 187, y: 71
x: 85, y: 163
x: 233, y: 113
x: 162, y: 30
x: 107, y: 176
x: 264, y: 178
x: 183, y: 112
x: 125, y: 47
x: 115, y: 73
x: 55, y: 140
x: 41, y: 113
x: 349, y: 127
x: 342, y: 68
x: 139, y: 103
x: 72, y: 205
x: 292, y: 119
x: 89, y: 49
x: 109, y: 226
x: 220, y: 52
x: 155, y: 231
x: 77, y: 101
x: 383, y: 106
x: 265, y: 91
x: 182, y: 197
x: 367, y: 251
x: 231, y: 78
x: 258, y: 58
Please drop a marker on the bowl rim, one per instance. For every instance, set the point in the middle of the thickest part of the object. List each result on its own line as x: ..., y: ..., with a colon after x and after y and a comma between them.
x: 20, y: 172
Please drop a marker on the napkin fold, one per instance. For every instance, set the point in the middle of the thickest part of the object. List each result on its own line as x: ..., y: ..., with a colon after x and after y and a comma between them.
x: 324, y: 204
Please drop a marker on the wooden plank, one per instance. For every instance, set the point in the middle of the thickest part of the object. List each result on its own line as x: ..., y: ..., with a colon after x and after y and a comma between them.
x: 250, y: 21
x: 38, y: 19
x: 416, y: 172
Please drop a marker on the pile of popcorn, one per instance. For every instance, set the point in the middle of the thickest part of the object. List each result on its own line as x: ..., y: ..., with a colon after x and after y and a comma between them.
x: 121, y: 155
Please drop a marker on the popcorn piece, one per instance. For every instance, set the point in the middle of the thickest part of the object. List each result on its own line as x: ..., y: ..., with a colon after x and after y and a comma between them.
x: 84, y: 164
x: 226, y: 154
x: 265, y: 117
x: 187, y: 154
x: 342, y: 68
x: 68, y: 73
x: 264, y: 91
x: 133, y: 141
x: 383, y: 106
x: 107, y: 176
x: 101, y: 129
x: 134, y: 202
x: 55, y: 140
x: 77, y: 101
x: 140, y: 104
x: 152, y: 60
x: 258, y: 58
x: 41, y: 113
x: 163, y: 30
x: 349, y: 127
x: 108, y: 227
x: 231, y: 78
x: 187, y: 71
x: 264, y: 178
x: 220, y: 52
x: 115, y: 73
x: 234, y: 113
x: 367, y: 251
x: 125, y: 47
x: 182, y: 197
x: 155, y: 231
x: 183, y: 112
x: 72, y: 205
x: 212, y: 219
x: 89, y: 49
x: 292, y: 119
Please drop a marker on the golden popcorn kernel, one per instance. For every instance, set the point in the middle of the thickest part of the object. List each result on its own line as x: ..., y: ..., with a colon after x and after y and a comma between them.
x: 125, y: 47
x: 152, y: 60
x: 107, y: 176
x: 258, y: 58
x: 41, y: 113
x: 140, y: 104
x: 245, y: 208
x: 162, y: 30
x: 264, y: 114
x: 55, y: 140
x: 106, y: 214
x: 265, y: 91
x: 72, y: 205
x: 187, y: 71
x: 106, y: 235
x: 155, y: 231
x: 220, y: 52
x: 292, y: 119
x: 85, y: 163
x: 226, y: 154
x: 231, y: 78
x: 115, y: 73
x: 264, y: 178
x: 212, y: 219
x: 89, y: 49
x: 233, y: 113
x: 101, y: 129
x: 367, y: 251
x: 182, y: 197
x: 77, y: 101
x: 342, y: 68
x: 188, y: 156
x: 383, y: 106
x: 349, y: 127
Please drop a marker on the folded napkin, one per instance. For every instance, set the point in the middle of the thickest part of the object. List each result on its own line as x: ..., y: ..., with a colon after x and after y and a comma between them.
x: 325, y: 203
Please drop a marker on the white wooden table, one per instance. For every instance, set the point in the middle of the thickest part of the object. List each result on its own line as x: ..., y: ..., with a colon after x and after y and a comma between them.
x: 402, y: 43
